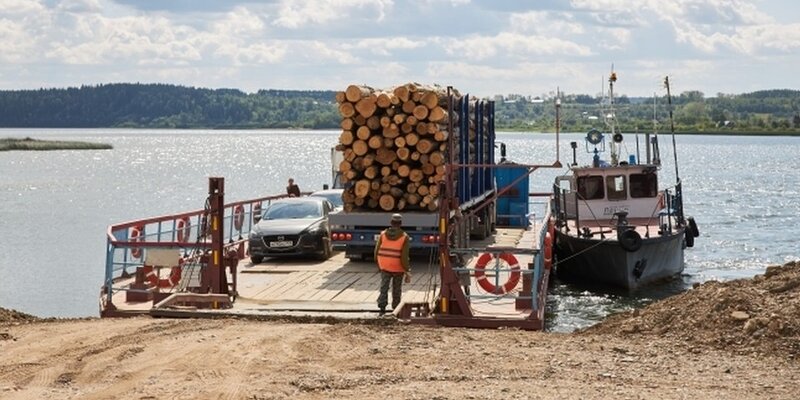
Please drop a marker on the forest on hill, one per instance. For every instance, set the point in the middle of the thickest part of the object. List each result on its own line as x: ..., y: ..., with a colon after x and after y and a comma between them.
x: 133, y: 105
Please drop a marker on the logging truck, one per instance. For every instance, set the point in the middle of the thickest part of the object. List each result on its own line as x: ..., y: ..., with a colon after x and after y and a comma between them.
x: 406, y: 150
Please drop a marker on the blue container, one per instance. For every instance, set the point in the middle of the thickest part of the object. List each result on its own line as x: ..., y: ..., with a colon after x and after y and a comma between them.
x: 512, y: 206
x: 631, y: 159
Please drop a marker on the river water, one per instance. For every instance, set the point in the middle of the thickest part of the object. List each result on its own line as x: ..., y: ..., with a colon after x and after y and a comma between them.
x: 55, y: 206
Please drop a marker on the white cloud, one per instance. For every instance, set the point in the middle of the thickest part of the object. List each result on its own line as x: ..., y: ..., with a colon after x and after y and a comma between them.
x: 614, y: 38
x: 320, y: 52
x: 295, y: 14
x: 383, y: 46
x: 79, y: 6
x: 12, y: 8
x: 545, y: 23
x: 327, y: 43
x: 514, y: 45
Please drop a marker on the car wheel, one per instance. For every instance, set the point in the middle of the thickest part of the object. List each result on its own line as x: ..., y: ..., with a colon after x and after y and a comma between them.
x: 256, y: 259
x: 327, y: 252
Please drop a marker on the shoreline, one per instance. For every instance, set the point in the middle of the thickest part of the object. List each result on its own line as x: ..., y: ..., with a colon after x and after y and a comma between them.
x: 338, y: 129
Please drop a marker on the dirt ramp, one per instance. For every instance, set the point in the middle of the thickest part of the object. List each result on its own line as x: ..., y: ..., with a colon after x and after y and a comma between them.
x: 757, y: 315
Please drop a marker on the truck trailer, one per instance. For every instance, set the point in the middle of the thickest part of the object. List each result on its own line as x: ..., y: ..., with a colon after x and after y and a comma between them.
x: 356, y: 231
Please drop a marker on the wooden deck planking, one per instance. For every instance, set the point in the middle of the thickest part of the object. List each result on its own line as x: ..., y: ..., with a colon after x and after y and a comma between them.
x: 286, y: 285
x: 341, y: 285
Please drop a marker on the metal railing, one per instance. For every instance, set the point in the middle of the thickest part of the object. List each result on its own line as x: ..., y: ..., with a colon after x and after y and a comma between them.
x: 127, y: 243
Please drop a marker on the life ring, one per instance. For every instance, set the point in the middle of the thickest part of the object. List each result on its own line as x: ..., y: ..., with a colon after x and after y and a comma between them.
x: 238, y: 217
x: 483, y: 281
x: 548, y: 251
x: 150, y: 275
x: 173, y: 280
x: 154, y: 280
x: 183, y: 229
x: 256, y: 207
x: 136, y: 236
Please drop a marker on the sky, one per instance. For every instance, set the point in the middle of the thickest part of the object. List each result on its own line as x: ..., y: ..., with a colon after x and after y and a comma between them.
x: 483, y: 47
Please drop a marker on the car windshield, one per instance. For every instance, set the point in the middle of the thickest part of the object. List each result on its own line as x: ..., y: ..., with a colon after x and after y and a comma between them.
x: 334, y: 198
x: 293, y: 211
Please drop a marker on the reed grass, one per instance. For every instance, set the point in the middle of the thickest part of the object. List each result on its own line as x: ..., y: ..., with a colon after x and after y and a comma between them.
x: 9, y: 144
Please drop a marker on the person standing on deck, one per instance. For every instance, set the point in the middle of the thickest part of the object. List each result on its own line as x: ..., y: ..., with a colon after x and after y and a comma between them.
x: 392, y: 256
x: 292, y: 189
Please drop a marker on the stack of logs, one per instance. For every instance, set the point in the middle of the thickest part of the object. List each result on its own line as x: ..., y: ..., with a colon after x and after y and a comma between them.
x: 394, y: 144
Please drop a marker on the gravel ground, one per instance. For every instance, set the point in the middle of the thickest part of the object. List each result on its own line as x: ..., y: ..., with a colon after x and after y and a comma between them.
x: 734, y: 340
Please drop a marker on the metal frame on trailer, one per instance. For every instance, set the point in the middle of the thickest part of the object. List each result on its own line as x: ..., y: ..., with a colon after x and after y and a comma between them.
x: 452, y: 306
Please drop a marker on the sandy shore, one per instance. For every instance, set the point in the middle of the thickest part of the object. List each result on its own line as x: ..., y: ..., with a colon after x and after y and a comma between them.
x: 735, y: 341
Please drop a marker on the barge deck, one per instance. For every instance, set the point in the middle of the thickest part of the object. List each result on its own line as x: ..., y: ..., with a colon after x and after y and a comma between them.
x: 336, y: 288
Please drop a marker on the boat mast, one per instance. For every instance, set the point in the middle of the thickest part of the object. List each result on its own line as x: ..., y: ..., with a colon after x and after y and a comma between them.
x: 655, y: 129
x: 614, y: 150
x: 672, y: 130
x: 678, y: 186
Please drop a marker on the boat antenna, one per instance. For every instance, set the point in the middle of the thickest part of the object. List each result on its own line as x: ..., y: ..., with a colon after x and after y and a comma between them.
x: 672, y: 130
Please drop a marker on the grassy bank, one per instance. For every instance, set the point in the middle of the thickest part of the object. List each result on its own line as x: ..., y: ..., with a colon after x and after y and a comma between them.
x: 9, y: 144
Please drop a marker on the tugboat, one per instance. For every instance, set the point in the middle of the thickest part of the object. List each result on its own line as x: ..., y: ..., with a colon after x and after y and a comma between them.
x: 613, y: 226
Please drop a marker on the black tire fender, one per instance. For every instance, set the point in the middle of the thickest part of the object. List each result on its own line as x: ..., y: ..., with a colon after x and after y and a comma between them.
x: 689, y: 236
x: 630, y: 240
x: 692, y: 225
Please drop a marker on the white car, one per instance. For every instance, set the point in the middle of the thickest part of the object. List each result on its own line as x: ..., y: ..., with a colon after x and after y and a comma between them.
x: 332, y: 195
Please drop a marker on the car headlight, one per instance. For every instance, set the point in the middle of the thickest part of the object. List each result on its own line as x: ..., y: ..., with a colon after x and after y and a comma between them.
x: 316, y: 229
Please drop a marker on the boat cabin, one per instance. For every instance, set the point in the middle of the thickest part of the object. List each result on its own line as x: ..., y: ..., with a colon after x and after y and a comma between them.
x: 597, y: 194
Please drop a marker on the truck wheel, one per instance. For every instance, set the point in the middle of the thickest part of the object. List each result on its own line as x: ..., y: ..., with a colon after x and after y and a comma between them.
x: 256, y: 259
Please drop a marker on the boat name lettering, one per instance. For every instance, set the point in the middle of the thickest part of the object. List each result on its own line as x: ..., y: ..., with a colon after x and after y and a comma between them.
x: 615, y: 209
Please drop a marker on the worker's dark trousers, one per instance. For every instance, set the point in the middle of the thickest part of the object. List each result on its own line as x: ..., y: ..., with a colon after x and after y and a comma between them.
x: 396, y: 280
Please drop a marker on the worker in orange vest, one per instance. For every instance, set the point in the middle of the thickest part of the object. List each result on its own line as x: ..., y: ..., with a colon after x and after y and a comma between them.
x: 391, y: 253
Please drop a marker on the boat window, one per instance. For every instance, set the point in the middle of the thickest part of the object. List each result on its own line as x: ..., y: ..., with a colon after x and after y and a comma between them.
x: 615, y: 185
x: 643, y: 185
x: 590, y: 187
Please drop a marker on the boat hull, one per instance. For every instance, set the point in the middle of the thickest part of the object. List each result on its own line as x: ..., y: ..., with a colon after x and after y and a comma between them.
x: 606, y: 262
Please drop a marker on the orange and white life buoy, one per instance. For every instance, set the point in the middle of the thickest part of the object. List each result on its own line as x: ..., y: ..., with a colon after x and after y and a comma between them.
x: 238, y: 217
x: 548, y: 251
x: 174, y: 278
x: 256, y: 212
x: 483, y: 281
x: 136, y: 236
x: 150, y: 275
x: 153, y: 279
x: 183, y: 229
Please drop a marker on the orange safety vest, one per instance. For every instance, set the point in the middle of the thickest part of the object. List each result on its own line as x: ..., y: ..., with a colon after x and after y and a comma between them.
x: 390, y: 252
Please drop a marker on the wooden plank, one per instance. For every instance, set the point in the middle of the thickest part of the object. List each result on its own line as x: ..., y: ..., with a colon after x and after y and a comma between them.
x: 308, y: 288
x: 284, y: 289
x: 333, y: 289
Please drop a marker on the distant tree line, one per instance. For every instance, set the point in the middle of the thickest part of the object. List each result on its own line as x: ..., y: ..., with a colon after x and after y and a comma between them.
x: 763, y: 111
x: 133, y: 105
x: 166, y: 106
